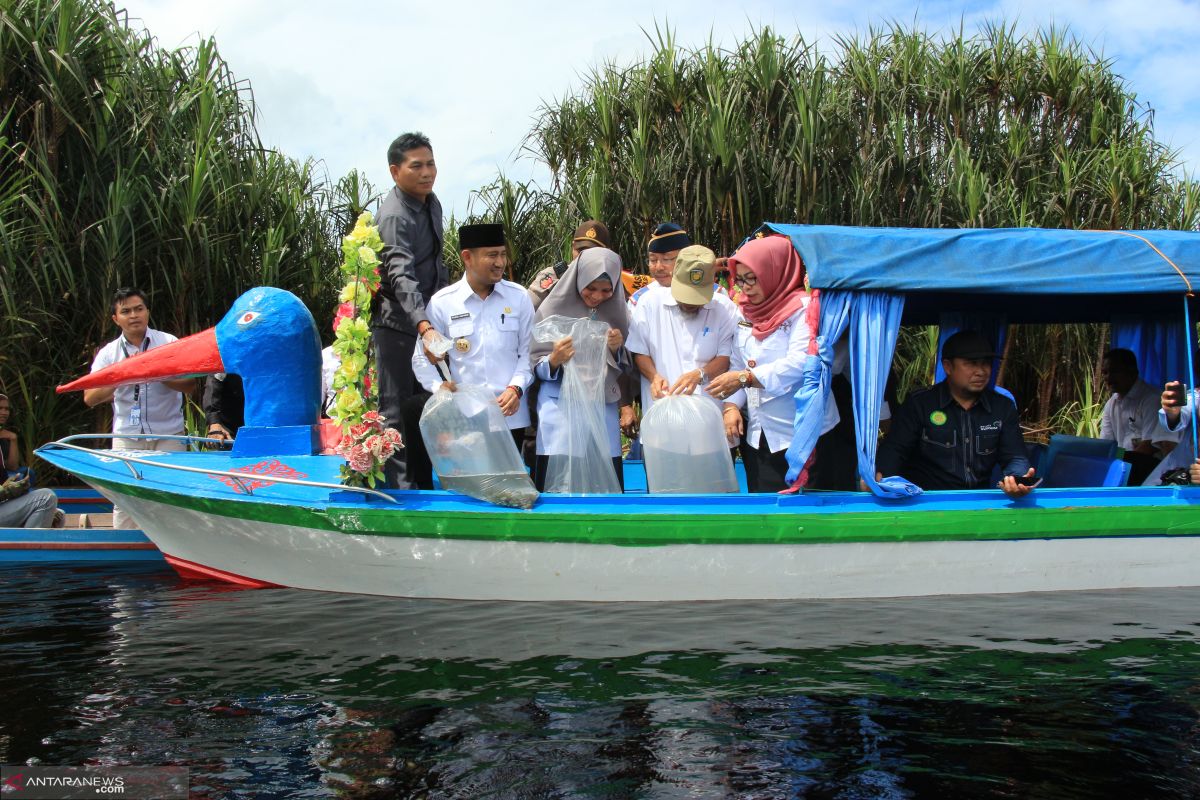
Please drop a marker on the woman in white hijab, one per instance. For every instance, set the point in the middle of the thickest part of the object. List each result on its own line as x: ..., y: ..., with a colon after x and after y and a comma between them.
x: 590, y: 288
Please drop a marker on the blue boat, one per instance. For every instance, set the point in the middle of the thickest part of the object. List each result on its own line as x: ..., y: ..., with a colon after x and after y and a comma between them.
x: 272, y: 512
x: 78, y: 542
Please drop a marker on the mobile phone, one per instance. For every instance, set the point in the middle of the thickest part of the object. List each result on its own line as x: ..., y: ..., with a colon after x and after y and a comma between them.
x: 1022, y: 480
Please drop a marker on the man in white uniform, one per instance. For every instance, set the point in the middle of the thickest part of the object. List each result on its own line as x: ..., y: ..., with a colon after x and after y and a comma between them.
x: 682, y: 336
x: 154, y: 407
x: 490, y: 323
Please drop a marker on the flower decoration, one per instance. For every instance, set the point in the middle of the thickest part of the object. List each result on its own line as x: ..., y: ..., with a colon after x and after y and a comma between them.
x: 366, y: 443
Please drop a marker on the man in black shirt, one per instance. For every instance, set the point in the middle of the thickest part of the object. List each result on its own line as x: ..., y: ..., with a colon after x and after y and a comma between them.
x: 952, y: 435
x: 410, y: 225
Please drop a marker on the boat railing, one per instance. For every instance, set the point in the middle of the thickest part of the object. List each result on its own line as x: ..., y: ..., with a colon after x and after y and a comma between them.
x: 240, y: 478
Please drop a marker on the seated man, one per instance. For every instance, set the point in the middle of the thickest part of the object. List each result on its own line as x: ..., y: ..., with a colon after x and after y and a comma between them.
x: 21, y: 507
x: 1130, y: 416
x: 951, y: 435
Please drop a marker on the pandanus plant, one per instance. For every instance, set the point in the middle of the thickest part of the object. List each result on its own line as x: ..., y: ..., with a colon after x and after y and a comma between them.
x: 891, y: 128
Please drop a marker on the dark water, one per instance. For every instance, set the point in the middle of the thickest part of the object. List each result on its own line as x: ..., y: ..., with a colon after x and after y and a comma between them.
x: 281, y: 693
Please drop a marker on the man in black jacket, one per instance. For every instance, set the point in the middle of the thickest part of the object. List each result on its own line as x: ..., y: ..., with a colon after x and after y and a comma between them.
x: 952, y: 435
x: 410, y: 224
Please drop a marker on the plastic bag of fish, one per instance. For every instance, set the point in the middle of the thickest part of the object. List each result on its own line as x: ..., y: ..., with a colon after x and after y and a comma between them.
x: 472, y: 450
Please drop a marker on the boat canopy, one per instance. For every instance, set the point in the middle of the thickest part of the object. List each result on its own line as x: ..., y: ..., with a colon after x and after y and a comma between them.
x: 1026, y: 272
x: 871, y: 280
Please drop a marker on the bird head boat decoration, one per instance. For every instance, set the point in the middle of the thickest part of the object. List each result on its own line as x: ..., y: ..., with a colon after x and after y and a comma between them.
x: 269, y: 339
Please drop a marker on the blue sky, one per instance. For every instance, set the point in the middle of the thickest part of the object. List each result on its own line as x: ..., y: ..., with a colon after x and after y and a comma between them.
x: 471, y: 75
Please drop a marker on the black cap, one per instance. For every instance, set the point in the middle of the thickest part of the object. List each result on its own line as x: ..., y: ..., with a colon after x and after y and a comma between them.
x: 485, y: 235
x: 968, y: 344
x: 668, y: 237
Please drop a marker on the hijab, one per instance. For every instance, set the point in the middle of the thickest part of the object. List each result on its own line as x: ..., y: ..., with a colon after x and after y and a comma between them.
x: 780, y: 272
x: 565, y: 300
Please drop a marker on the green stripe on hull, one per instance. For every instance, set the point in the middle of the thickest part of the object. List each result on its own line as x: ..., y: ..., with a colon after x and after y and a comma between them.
x: 650, y: 529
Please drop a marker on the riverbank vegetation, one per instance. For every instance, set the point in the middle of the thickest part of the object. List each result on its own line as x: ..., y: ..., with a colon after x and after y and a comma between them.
x: 896, y: 127
x: 126, y: 164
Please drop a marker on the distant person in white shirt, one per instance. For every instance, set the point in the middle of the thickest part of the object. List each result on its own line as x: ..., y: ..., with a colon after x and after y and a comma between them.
x: 682, y: 337
x: 153, y: 407
x: 489, y: 322
x: 1130, y: 416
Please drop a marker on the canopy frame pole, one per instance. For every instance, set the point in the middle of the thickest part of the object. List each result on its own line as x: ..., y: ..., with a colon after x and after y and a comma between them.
x: 1191, y: 373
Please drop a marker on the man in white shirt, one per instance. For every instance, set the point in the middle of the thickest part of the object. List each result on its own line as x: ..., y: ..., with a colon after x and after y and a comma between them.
x: 682, y: 336
x: 489, y: 321
x: 151, y: 408
x: 1130, y: 417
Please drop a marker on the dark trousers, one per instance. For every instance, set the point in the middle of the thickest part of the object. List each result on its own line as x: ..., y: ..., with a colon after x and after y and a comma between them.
x: 765, y: 471
x: 401, y: 401
x: 542, y: 463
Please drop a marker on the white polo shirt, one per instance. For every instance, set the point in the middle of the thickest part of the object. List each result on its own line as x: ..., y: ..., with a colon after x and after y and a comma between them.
x: 677, y: 341
x: 161, y: 408
x: 778, y: 364
x: 491, y: 340
x: 1134, y: 415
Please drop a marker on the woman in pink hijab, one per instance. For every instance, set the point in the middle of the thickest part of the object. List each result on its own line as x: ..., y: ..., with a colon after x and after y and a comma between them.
x: 778, y: 326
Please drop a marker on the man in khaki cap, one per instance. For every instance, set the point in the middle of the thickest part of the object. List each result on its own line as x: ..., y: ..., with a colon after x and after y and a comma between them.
x: 682, y: 336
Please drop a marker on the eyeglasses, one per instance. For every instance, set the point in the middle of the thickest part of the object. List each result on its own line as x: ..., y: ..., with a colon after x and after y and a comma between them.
x: 745, y: 281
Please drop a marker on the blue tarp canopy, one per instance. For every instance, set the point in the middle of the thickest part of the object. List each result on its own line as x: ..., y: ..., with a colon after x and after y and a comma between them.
x: 1036, y: 275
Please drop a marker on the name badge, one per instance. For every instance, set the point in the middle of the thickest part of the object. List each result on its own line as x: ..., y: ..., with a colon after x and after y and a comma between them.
x: 135, y: 416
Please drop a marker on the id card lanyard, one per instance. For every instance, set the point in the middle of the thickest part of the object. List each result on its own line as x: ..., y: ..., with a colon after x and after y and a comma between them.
x: 135, y: 411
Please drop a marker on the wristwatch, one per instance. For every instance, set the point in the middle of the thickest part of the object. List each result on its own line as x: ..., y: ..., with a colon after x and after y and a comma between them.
x: 703, y: 376
x: 744, y: 378
x: 520, y: 392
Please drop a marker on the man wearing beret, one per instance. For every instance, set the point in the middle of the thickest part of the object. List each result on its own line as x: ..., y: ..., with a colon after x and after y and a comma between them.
x: 953, y: 434
x: 489, y: 321
x: 590, y: 233
x: 410, y: 225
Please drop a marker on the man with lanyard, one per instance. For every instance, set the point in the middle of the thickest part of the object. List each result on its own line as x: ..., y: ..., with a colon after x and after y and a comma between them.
x: 681, y: 337
x: 952, y: 435
x: 151, y: 408
x: 490, y: 322
x: 410, y: 225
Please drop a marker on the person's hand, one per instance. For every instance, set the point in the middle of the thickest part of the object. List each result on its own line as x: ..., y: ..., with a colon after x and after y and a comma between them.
x: 615, y: 340
x: 563, y: 350
x: 659, y: 387
x: 14, y: 488
x: 218, y: 431
x: 1013, y: 489
x: 686, y: 383
x: 509, y: 401
x: 731, y: 415
x: 722, y: 386
x: 428, y: 338
x: 1194, y: 473
x: 449, y: 386
x: 628, y: 421
x: 1173, y: 398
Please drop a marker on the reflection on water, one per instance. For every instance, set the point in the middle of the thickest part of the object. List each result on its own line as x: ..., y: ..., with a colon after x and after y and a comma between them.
x: 282, y: 693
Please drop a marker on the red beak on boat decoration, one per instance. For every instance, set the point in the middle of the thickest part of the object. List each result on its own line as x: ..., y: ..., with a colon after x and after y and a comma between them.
x: 194, y: 355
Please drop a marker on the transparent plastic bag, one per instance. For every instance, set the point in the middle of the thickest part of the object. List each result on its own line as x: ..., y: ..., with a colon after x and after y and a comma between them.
x: 472, y: 449
x: 585, y: 467
x: 684, y: 447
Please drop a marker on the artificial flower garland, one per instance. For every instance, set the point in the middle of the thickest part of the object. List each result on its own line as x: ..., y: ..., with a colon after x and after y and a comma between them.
x: 366, y: 443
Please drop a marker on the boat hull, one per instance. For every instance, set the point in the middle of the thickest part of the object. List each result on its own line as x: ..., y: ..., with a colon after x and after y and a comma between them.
x: 258, y: 531
x: 255, y: 552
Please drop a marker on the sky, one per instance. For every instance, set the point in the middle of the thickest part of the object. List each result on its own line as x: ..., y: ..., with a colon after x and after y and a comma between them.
x: 338, y: 85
